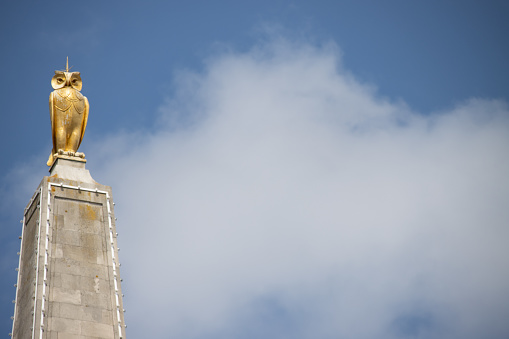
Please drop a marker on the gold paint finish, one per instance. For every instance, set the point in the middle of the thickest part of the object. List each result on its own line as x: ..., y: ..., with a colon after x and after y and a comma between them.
x: 68, y: 110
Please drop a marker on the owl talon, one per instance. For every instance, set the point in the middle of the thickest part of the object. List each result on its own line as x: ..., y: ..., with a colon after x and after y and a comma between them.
x: 70, y: 154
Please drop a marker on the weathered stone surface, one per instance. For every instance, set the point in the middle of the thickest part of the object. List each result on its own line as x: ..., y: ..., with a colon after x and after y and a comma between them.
x: 69, y: 169
x: 94, y: 329
x: 93, y: 314
x: 63, y: 325
x: 79, y: 293
x: 69, y: 266
x: 61, y: 295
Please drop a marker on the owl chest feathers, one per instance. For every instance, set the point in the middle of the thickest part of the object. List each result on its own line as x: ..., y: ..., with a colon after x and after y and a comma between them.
x: 69, y: 100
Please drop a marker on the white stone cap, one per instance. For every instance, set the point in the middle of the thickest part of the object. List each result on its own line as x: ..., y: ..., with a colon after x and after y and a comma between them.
x: 72, y: 168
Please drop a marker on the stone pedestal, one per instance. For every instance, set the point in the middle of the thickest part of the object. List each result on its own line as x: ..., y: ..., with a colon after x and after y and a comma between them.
x: 69, y: 280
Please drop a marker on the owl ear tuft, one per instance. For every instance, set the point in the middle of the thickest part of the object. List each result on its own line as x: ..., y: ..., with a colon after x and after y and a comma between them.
x: 58, y: 81
x: 75, y: 81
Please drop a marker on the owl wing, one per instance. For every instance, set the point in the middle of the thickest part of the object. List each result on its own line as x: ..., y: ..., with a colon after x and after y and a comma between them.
x: 52, y: 120
x: 85, y: 119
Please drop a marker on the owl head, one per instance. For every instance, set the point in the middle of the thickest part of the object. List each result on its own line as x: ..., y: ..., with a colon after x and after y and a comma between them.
x: 62, y: 79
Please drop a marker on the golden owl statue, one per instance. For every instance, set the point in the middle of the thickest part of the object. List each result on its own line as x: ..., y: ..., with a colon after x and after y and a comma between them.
x: 68, y: 110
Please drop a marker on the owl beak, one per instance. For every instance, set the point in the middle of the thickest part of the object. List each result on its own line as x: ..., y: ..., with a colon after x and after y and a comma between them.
x: 67, y: 79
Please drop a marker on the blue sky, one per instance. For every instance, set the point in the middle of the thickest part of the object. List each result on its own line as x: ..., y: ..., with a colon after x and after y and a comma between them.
x: 291, y: 168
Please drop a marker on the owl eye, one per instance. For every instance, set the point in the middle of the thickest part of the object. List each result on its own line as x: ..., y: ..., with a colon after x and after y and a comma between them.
x: 60, y: 80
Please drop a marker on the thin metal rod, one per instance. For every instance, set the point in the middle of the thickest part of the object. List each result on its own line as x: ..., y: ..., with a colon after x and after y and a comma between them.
x: 37, y: 261
x: 46, y: 249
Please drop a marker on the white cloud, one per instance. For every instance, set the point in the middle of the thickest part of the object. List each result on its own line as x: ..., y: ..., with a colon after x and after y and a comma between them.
x: 281, y: 198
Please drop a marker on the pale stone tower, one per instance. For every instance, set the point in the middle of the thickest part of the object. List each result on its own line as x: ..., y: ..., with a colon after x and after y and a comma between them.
x: 68, y: 276
x: 68, y: 280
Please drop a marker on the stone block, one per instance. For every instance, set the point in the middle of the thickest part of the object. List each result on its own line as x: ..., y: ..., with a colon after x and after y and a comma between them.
x: 99, y: 300
x: 58, y: 251
x: 82, y: 313
x: 107, y: 317
x: 59, y: 222
x: 92, y: 226
x: 65, y: 296
x: 102, y: 258
x: 81, y: 254
x: 62, y: 325
x: 95, y: 284
x: 93, y: 240
x: 69, y: 266
x: 97, y: 330
x: 89, y: 211
x: 68, y: 237
x: 53, y: 309
x: 71, y: 336
x: 70, y: 281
